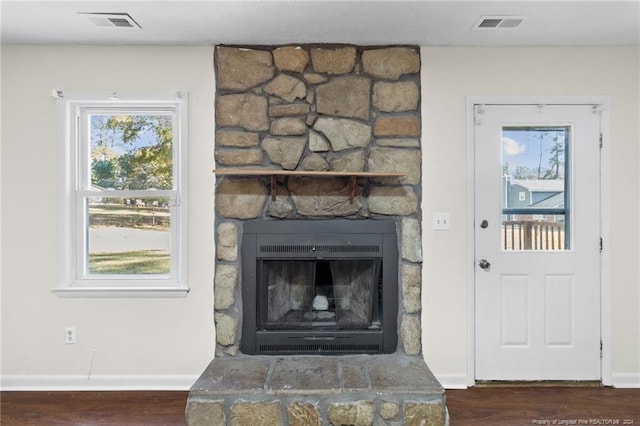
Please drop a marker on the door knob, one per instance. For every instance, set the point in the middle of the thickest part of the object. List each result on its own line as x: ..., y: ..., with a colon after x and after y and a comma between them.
x: 484, y: 264
x: 484, y: 224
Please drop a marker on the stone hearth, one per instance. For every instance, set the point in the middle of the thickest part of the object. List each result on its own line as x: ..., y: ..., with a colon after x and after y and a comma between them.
x: 317, y: 108
x: 317, y: 390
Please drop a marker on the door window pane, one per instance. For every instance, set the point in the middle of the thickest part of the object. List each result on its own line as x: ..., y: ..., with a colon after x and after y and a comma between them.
x: 533, y: 232
x: 535, y: 208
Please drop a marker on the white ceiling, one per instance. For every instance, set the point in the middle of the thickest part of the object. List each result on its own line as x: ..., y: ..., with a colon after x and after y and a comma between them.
x: 433, y: 23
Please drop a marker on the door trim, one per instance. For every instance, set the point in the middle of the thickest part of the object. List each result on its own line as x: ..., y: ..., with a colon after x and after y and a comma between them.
x: 605, y: 218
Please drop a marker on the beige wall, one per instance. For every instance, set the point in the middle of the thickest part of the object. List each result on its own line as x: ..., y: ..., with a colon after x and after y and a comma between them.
x: 449, y: 76
x: 138, y: 339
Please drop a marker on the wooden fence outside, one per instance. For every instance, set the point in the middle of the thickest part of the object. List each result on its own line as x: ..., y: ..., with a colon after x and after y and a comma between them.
x: 533, y: 235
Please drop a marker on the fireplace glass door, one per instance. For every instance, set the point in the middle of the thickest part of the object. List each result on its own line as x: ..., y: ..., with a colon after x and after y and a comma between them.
x: 320, y: 294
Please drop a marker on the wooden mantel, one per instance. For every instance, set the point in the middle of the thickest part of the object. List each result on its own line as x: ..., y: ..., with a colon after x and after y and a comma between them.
x: 321, y: 174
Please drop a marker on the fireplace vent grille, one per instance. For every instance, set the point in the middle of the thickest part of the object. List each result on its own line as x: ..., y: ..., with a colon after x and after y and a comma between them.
x: 320, y: 347
x: 321, y: 248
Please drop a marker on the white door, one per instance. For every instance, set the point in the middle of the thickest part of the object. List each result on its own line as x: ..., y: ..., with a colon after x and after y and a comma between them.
x: 537, y: 242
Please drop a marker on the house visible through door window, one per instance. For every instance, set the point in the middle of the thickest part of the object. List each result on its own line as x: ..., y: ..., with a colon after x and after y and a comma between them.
x: 535, y: 188
x: 124, y: 205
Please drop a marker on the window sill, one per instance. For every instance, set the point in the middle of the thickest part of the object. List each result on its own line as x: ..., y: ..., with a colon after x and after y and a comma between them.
x: 121, y: 292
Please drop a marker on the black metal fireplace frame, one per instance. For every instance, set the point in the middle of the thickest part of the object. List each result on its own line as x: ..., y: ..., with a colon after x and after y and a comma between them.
x: 325, y: 240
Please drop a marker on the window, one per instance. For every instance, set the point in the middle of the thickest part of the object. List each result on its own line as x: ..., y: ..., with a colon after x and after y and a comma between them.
x: 536, y: 158
x: 124, y: 194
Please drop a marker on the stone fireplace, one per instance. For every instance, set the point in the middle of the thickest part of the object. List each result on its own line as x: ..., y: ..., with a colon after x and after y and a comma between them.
x: 313, y: 135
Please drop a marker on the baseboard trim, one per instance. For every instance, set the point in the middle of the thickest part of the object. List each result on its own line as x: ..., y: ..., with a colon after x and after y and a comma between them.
x: 452, y: 381
x: 178, y: 382
x: 625, y: 380
x: 78, y: 382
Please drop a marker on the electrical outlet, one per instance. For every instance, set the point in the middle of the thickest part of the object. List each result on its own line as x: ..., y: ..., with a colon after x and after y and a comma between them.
x: 441, y: 221
x: 70, y: 335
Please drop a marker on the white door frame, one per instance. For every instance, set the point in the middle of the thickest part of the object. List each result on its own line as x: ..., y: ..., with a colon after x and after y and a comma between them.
x: 605, y: 217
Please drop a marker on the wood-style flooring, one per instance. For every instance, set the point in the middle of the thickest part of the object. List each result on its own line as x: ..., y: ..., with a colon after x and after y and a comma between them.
x: 493, y: 405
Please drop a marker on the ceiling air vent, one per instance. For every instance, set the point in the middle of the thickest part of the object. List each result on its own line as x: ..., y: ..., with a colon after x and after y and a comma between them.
x: 111, y: 20
x: 498, y: 22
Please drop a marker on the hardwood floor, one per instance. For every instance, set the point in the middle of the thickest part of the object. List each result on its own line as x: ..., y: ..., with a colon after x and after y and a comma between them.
x: 92, y: 408
x: 495, y: 406
x: 535, y: 405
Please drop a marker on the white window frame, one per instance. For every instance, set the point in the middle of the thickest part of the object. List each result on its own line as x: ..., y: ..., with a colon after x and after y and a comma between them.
x: 73, y: 281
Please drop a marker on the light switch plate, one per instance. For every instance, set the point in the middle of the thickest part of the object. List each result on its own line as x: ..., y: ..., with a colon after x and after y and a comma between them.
x: 441, y: 221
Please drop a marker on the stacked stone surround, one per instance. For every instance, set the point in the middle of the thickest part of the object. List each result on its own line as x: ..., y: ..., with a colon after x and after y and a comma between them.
x: 317, y: 108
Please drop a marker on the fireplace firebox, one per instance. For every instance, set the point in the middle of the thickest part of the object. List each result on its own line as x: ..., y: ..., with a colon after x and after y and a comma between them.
x: 319, y: 287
